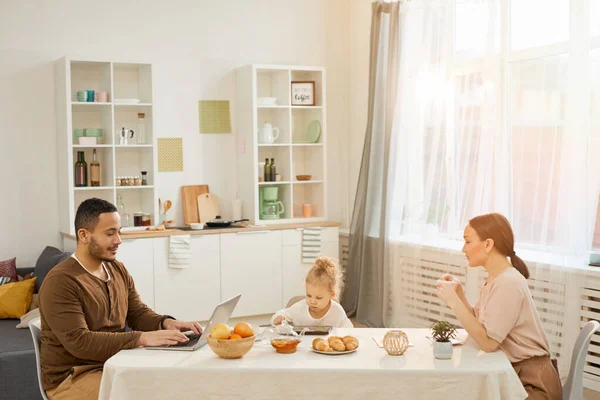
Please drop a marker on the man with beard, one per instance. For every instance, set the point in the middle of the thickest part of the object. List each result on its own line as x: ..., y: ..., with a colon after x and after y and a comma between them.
x: 85, y: 302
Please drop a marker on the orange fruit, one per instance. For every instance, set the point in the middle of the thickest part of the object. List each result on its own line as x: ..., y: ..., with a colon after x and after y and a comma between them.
x: 235, y: 336
x: 243, y: 329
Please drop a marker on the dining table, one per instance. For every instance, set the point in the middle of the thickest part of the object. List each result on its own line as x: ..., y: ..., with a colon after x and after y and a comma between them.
x: 367, y: 373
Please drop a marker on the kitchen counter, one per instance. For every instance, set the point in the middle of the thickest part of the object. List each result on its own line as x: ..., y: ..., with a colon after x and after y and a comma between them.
x: 214, y: 231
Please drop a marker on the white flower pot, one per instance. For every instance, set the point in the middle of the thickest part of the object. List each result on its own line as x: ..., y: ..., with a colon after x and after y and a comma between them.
x: 442, y: 350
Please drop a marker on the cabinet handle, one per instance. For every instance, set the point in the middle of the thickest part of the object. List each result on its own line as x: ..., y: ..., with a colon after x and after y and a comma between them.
x: 251, y: 232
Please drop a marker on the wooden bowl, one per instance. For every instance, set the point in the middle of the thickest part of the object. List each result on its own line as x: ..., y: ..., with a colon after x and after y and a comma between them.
x: 303, y: 177
x: 226, y: 348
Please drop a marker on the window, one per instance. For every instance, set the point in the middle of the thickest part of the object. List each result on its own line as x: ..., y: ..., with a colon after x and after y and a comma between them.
x: 501, y: 111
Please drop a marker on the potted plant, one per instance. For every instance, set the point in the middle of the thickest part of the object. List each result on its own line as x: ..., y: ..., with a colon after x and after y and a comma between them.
x: 442, y: 332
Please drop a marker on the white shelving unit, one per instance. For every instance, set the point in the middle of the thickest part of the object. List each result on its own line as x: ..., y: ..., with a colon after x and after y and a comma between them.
x: 292, y: 158
x: 121, y: 81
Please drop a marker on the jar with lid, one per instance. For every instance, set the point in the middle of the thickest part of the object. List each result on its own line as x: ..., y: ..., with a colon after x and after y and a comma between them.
x: 137, y: 218
x: 144, y: 178
x: 124, y: 181
x: 137, y: 181
x: 146, y: 221
x: 118, y: 181
x: 130, y: 181
x: 284, y: 339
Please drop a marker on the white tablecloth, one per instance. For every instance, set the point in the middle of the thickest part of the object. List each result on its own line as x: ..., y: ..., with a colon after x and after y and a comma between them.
x: 369, y: 373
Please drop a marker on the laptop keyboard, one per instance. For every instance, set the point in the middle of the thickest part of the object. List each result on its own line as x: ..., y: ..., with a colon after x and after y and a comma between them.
x: 193, y: 340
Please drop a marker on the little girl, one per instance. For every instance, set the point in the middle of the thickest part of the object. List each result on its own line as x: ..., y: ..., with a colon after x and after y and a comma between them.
x: 323, y: 287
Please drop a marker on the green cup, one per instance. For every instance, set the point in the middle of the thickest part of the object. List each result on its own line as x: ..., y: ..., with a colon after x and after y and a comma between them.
x: 82, y: 95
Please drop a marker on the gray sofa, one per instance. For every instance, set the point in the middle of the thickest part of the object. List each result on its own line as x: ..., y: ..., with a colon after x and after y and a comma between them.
x: 18, y: 375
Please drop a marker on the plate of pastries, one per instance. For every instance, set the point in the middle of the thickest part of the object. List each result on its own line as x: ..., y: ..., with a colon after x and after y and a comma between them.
x: 335, y: 345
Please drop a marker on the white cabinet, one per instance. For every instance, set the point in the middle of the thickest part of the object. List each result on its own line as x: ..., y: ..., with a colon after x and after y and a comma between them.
x: 138, y: 257
x: 293, y: 269
x: 100, y: 121
x: 190, y: 293
x: 300, y: 149
x: 251, y: 265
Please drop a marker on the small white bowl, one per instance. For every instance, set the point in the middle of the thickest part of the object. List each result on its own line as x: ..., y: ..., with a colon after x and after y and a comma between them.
x: 171, y: 225
x: 197, y: 226
x: 267, y: 101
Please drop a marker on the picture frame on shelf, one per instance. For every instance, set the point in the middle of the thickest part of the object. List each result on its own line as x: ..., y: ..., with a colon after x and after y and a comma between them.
x: 303, y: 93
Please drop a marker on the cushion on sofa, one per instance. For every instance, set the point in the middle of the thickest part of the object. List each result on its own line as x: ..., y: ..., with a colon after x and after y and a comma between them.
x: 50, y: 257
x: 15, y: 298
x: 8, y: 268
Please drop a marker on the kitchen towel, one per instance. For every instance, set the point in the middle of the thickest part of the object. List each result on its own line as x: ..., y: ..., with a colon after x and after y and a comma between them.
x: 311, y: 245
x: 179, y: 251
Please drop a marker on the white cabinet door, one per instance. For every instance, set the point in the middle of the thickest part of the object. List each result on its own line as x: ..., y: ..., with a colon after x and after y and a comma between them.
x: 138, y: 257
x: 294, y: 270
x: 251, y: 265
x: 191, y: 293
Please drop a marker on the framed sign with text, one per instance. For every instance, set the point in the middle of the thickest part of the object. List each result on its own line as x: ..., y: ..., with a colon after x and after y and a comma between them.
x: 303, y: 93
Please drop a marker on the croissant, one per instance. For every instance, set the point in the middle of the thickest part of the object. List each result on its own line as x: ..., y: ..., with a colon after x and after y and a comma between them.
x: 316, y: 342
x: 332, y: 338
x: 322, y: 346
x: 337, y: 345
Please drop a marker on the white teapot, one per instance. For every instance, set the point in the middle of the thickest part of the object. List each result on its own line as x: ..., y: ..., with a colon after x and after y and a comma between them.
x: 268, y: 134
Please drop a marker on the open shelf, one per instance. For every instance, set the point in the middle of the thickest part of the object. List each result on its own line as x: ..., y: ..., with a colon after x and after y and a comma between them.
x: 282, y: 159
x: 295, y: 151
x: 307, y: 161
x: 137, y: 201
x: 308, y: 194
x: 89, y: 75
x: 284, y: 195
x: 132, y: 81
x: 132, y: 161
x: 279, y: 118
x: 122, y: 82
x: 104, y: 155
x: 127, y: 117
x: 301, y: 118
x: 273, y: 83
x: 307, y: 76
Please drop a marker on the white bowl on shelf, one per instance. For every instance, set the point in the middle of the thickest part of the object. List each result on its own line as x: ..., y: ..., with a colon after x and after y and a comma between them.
x: 197, y: 226
x: 127, y: 101
x: 266, y: 101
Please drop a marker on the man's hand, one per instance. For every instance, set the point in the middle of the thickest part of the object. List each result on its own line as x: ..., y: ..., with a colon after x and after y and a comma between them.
x: 182, y: 326
x: 161, y: 338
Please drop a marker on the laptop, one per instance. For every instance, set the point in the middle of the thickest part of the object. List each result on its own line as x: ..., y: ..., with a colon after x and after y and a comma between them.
x: 220, y: 315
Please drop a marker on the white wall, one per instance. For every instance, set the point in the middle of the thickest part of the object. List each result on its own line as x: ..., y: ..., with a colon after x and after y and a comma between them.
x: 194, y: 46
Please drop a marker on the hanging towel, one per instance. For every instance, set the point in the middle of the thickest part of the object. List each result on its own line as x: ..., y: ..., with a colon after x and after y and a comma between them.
x: 179, y: 251
x: 311, y: 245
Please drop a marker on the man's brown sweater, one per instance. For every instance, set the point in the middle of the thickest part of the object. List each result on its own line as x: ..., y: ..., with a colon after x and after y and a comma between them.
x: 83, y: 318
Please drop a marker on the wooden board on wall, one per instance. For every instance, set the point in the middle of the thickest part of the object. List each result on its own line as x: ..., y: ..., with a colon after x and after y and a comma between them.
x: 189, y: 198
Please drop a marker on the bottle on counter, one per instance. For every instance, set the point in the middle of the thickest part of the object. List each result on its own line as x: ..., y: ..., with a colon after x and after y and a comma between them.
x: 267, y: 170
x: 273, y: 171
x: 94, y: 170
x: 81, y: 178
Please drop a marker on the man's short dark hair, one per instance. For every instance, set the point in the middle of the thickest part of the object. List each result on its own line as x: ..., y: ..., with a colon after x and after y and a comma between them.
x: 89, y: 212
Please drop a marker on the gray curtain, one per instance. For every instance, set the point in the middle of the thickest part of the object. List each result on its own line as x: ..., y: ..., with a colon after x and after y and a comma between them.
x: 365, y: 295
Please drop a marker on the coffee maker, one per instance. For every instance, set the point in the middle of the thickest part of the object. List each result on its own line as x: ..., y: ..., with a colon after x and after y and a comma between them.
x: 269, y: 205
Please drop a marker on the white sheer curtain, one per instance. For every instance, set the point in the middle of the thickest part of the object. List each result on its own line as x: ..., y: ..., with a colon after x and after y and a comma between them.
x: 491, y: 116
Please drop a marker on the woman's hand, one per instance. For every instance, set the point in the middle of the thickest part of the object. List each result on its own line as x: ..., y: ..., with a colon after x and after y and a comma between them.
x: 449, y: 278
x: 279, y: 319
x: 447, y: 292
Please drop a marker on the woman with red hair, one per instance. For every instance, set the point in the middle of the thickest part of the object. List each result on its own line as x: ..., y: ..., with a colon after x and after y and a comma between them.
x: 504, y: 316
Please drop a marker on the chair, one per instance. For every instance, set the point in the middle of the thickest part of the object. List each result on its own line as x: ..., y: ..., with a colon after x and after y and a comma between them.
x: 573, y: 388
x: 294, y: 300
x: 36, y: 333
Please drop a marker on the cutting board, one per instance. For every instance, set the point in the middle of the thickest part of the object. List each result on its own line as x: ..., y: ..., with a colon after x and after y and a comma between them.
x: 189, y: 198
x: 208, y: 207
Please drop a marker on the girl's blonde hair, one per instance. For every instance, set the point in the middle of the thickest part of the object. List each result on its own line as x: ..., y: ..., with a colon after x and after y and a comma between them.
x: 326, y: 271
